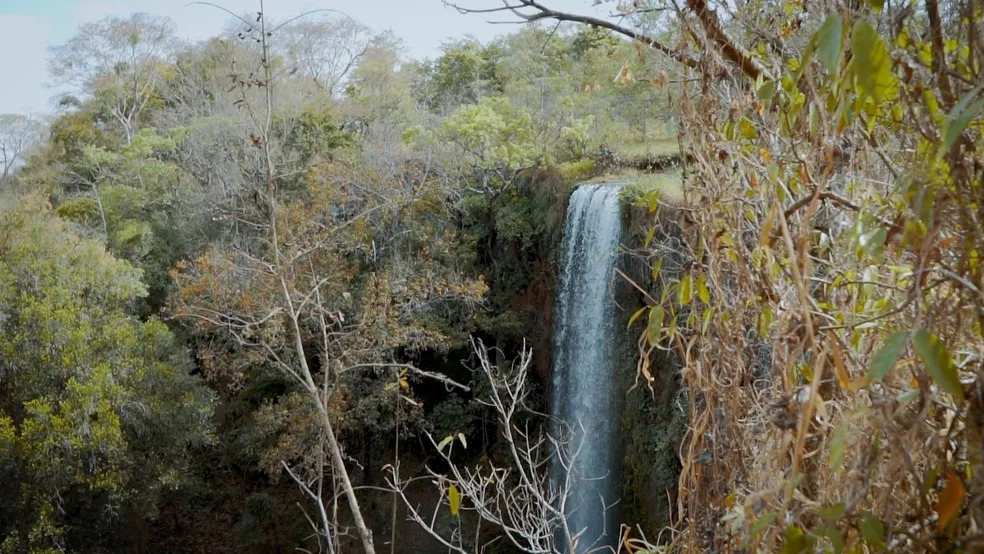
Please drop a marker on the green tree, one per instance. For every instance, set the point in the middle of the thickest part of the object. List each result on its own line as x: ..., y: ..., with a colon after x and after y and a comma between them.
x: 490, y: 142
x: 379, y: 99
x: 119, y: 62
x: 464, y: 74
x: 98, y: 413
x: 140, y: 202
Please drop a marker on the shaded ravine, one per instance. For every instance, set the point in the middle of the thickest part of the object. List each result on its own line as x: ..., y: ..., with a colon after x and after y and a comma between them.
x: 585, y: 363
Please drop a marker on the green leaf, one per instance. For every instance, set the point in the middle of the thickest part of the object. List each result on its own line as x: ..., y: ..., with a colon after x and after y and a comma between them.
x: 907, y: 397
x: 884, y: 360
x: 959, y: 118
x: 454, y: 500
x: 705, y: 322
x: 929, y: 480
x: 937, y: 359
x: 876, y: 5
x: 685, y: 292
x: 461, y: 438
x: 649, y: 237
x: 795, y: 541
x: 873, y: 531
x: 832, y: 512
x: 446, y: 441
x: 702, y: 291
x: 761, y: 523
x: 636, y: 315
x: 767, y: 91
x: 873, y: 242
x: 833, y: 535
x: 837, y: 447
x: 829, y: 43
x: 747, y: 129
x: 654, y: 330
x: 871, y: 64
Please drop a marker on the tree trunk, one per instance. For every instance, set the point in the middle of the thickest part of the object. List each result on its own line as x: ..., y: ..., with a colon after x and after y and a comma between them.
x: 365, y: 535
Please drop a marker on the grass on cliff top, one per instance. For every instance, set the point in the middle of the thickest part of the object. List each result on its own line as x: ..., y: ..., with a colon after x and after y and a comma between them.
x: 669, y: 184
x: 632, y: 171
x: 656, y: 147
x: 639, y: 184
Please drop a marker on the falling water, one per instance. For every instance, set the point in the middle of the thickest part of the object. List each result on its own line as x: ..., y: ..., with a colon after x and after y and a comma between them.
x: 584, y: 363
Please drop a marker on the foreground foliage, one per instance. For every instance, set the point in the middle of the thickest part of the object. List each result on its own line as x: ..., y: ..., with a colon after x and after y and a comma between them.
x: 832, y: 220
x: 98, y: 412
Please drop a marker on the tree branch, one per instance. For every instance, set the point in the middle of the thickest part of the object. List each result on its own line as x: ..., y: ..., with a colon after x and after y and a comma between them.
x: 543, y: 12
x: 939, y: 55
x: 449, y: 382
x: 729, y: 48
x: 708, y: 18
x: 825, y: 195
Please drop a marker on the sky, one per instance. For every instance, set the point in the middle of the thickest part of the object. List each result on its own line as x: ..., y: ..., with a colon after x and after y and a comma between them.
x: 29, y: 27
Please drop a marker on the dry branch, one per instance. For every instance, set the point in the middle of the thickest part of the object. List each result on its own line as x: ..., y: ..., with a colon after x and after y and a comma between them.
x: 542, y: 12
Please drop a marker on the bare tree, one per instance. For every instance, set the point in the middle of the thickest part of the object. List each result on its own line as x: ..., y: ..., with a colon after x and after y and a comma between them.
x: 18, y: 134
x: 124, y: 57
x: 379, y: 98
x: 199, y: 99
x: 296, y: 305
x: 325, y: 49
x: 522, y: 499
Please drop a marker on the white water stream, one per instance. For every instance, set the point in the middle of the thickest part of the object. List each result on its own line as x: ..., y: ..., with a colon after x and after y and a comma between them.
x: 585, y: 363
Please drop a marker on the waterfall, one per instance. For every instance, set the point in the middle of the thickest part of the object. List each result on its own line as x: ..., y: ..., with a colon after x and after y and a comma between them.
x: 585, y: 363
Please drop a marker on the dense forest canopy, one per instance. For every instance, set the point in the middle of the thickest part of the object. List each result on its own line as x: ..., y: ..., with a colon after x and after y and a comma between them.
x: 263, y: 292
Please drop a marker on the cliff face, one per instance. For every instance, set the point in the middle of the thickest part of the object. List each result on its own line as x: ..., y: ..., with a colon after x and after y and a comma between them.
x: 537, y: 300
x: 653, y: 420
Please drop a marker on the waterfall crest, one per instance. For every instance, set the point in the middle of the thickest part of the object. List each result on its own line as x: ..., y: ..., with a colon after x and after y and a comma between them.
x: 585, y: 363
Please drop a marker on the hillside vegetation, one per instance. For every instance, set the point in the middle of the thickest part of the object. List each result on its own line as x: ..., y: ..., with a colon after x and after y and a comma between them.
x: 287, y: 289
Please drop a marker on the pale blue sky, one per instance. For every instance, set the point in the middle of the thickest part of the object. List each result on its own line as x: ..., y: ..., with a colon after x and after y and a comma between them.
x: 28, y: 27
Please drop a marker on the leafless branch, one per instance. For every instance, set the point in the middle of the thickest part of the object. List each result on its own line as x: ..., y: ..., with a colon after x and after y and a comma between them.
x: 541, y: 12
x: 521, y: 500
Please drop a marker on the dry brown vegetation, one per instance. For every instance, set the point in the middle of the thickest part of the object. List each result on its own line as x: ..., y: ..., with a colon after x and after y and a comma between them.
x: 834, y: 221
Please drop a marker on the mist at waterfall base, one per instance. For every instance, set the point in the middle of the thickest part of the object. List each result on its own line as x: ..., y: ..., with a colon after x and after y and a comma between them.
x: 585, y: 365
